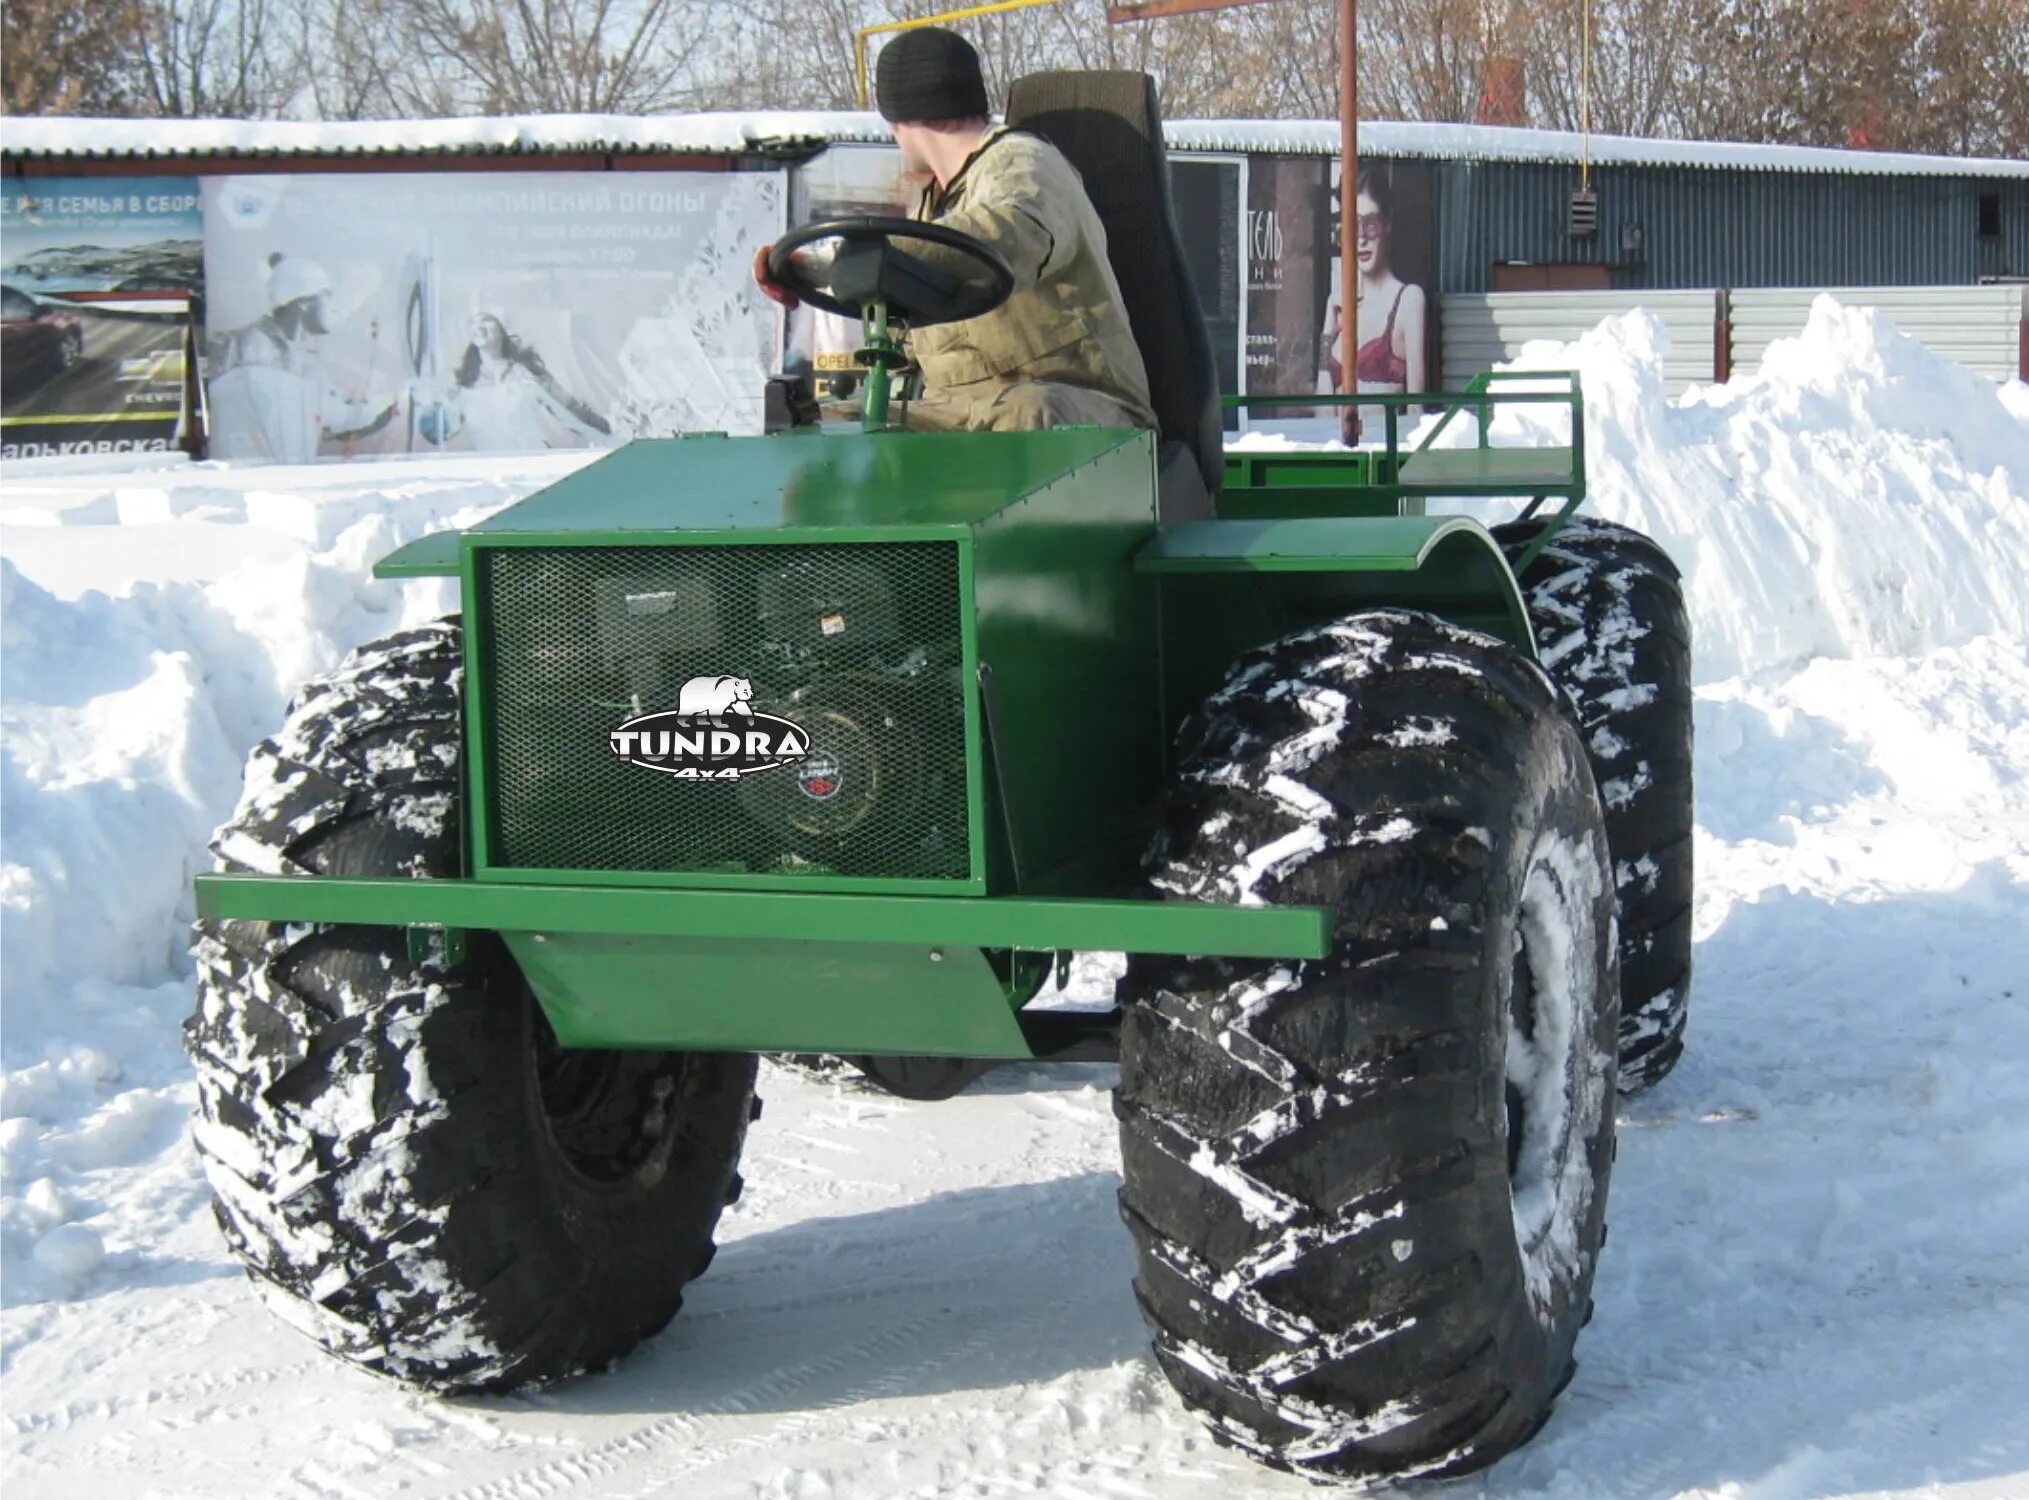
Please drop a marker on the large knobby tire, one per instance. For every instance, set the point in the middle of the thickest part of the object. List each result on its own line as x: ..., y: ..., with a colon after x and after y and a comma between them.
x: 411, y: 1169
x: 1607, y: 605
x: 1368, y: 1192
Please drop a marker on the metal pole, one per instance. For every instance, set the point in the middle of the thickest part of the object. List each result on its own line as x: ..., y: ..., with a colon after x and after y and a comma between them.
x: 1349, y: 218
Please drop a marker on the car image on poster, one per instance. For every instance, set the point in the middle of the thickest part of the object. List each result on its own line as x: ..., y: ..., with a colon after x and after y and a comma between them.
x: 96, y: 277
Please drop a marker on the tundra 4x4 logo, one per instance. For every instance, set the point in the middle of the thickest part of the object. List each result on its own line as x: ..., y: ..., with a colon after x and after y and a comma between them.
x: 713, y: 734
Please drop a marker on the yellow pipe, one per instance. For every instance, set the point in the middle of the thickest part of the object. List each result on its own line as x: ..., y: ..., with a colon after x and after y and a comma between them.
x: 859, y: 38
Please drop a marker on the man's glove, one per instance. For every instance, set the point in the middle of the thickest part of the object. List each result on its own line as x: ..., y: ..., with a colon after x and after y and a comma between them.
x: 774, y: 290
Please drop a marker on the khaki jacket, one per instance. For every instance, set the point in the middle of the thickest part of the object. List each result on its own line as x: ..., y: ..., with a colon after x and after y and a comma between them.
x: 1065, y: 322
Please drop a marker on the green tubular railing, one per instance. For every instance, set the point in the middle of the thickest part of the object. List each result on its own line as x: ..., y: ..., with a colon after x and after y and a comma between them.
x: 1478, y: 471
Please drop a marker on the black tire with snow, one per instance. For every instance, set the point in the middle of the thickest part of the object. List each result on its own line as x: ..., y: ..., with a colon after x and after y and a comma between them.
x: 1607, y: 605
x: 411, y: 1169
x: 1345, y: 1268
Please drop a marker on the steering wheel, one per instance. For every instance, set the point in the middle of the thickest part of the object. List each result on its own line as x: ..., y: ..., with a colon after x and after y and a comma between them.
x: 868, y: 267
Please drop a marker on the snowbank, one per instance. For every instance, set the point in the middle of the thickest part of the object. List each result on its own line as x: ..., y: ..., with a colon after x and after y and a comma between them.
x: 1856, y: 496
x: 153, y: 625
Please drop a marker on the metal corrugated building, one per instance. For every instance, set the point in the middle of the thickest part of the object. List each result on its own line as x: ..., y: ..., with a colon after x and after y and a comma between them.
x: 1685, y: 214
x: 1682, y: 226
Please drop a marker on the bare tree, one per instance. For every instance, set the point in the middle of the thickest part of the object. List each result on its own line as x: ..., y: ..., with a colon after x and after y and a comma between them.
x: 560, y: 56
x: 1930, y: 75
x: 363, y: 60
x: 1427, y: 59
x: 791, y: 55
x: 1276, y: 61
x: 795, y: 54
x: 1186, y: 54
x: 212, y: 58
x: 60, y: 58
x: 1971, y: 78
x: 1640, y: 51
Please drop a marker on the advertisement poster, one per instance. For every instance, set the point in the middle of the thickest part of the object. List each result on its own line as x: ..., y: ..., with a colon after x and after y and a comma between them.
x: 96, y: 276
x: 380, y: 313
x: 1205, y: 198
x: 1287, y: 234
x: 1295, y: 335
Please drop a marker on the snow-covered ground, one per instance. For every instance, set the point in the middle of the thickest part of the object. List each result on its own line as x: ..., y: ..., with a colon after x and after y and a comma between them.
x: 1818, y: 1278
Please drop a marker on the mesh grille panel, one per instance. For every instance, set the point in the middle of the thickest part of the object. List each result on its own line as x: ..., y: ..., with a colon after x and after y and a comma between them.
x: 859, y: 645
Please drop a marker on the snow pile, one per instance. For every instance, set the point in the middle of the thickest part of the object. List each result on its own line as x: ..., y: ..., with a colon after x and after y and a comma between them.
x: 1856, y: 496
x: 125, y: 722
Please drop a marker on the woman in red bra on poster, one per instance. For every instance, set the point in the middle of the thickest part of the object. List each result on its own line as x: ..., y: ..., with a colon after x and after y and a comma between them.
x: 1390, y: 357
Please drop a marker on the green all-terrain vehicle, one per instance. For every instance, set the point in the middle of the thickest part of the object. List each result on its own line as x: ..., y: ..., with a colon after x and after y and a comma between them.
x: 841, y: 743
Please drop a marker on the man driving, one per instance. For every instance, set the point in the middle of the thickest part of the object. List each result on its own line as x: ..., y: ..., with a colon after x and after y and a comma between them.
x: 1059, y: 351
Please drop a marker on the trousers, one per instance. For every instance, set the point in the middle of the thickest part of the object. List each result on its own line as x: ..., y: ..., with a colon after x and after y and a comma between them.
x: 1014, y: 406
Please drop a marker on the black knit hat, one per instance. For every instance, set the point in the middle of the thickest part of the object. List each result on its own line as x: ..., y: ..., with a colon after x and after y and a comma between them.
x: 929, y: 74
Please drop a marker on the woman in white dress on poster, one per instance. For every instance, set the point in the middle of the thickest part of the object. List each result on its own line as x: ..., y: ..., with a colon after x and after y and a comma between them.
x: 503, y: 397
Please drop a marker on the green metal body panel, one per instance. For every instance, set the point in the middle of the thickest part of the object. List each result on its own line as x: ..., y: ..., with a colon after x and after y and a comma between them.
x: 729, y: 995
x: 1053, y: 515
x: 1315, y: 544
x: 1088, y: 632
x: 433, y: 556
x: 846, y: 485
x: 1281, y: 484
x: 1070, y: 633
x: 1308, y: 468
x: 1037, y: 924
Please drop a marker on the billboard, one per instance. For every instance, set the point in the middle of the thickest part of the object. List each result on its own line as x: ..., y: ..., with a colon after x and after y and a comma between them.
x: 96, y: 277
x: 1205, y: 197
x: 1296, y: 338
x: 1287, y: 235
x: 385, y: 313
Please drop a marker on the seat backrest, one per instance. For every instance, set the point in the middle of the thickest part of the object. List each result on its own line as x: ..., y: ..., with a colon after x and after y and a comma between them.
x: 1109, y: 127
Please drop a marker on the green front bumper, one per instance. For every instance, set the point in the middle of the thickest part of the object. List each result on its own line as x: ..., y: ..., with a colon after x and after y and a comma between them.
x: 775, y: 971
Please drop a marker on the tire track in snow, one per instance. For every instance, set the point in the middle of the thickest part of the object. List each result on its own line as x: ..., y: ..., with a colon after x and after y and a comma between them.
x: 915, y: 1289
x: 187, y: 1388
x: 619, y: 1458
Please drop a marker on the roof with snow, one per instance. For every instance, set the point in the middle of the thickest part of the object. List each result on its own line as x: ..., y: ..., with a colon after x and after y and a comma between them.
x: 771, y: 132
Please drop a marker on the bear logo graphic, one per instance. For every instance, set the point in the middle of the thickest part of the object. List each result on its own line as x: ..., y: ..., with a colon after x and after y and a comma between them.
x: 715, y: 697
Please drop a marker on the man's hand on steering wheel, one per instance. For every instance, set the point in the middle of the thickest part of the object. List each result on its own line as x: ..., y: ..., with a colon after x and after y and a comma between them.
x: 962, y: 278
x: 772, y: 289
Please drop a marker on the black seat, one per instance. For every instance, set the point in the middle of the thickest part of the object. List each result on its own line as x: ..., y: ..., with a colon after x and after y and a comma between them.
x: 1108, y: 125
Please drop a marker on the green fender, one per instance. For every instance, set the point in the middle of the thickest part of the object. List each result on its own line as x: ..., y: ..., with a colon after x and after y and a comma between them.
x: 1232, y: 585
